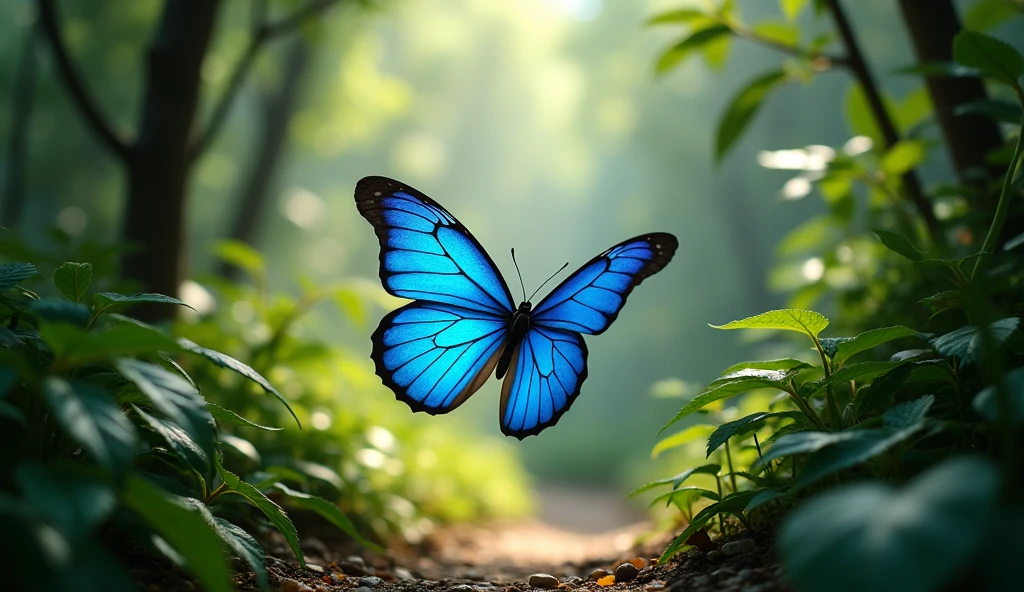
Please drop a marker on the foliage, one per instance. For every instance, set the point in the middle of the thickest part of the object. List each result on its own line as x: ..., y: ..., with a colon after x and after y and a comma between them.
x: 884, y: 441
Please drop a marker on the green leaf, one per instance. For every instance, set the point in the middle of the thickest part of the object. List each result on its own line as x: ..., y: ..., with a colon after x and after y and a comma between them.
x: 223, y: 415
x: 743, y: 108
x: 184, y: 528
x: 12, y: 274
x: 52, y: 310
x: 689, y: 494
x: 994, y: 58
x: 70, y: 499
x: 91, y: 416
x: 742, y: 426
x: 859, y: 371
x: 763, y: 497
x: 996, y: 110
x: 731, y: 385
x: 327, y: 510
x: 875, y: 396
x: 861, y: 119
x: 986, y: 403
x: 676, y: 481
x: 871, y: 339
x: 272, y: 511
x: 983, y: 15
x: 870, y: 537
x: 178, y: 441
x: 792, y: 8
x: 110, y: 302
x: 696, y: 40
x: 73, y: 279
x: 967, y: 343
x: 175, y: 397
x: 694, y: 432
x: 245, y: 547
x: 904, y: 156
x: 76, y: 346
x: 898, y: 244
x: 682, y: 16
x: 226, y: 361
x: 788, y: 364
x: 733, y: 503
x: 807, y: 322
x: 802, y: 443
x: 240, y: 255
x: 787, y: 34
x: 943, y: 301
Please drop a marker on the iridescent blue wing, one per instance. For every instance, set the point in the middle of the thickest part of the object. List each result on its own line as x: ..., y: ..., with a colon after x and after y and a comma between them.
x: 425, y: 253
x: 590, y: 299
x: 543, y: 380
x: 434, y: 356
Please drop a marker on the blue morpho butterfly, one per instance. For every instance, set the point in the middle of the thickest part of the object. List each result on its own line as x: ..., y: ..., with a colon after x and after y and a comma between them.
x: 462, y: 324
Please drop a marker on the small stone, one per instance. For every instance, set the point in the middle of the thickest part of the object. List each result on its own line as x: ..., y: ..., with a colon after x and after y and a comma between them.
x: 463, y: 588
x: 403, y: 574
x: 336, y: 578
x: 314, y: 567
x: 655, y: 586
x: 370, y: 581
x: 738, y: 547
x: 542, y: 580
x: 714, y: 555
x: 572, y: 580
x: 626, y: 572
x: 290, y: 585
x: 353, y: 569
x: 745, y: 574
x: 597, y: 574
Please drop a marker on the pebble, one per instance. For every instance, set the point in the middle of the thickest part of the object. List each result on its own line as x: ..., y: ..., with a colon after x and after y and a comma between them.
x: 572, y: 580
x: 370, y: 581
x: 738, y: 547
x: 542, y: 580
x: 714, y: 555
x: 626, y: 572
x: 745, y: 574
x: 353, y: 569
x: 403, y: 574
x: 314, y: 567
x: 294, y: 586
x: 337, y: 578
x: 655, y: 586
x: 597, y: 574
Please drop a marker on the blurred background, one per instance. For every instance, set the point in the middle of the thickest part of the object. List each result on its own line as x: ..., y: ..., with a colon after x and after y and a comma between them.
x: 541, y: 124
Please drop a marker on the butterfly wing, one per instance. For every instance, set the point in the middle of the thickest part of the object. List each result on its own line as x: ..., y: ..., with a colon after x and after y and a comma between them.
x: 543, y: 380
x: 589, y: 300
x: 434, y: 356
x: 425, y: 253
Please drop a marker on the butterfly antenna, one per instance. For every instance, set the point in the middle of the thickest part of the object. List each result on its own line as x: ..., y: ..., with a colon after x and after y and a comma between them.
x: 521, y: 284
x: 548, y: 280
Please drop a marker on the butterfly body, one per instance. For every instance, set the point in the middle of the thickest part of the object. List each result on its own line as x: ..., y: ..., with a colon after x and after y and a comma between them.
x: 439, y: 349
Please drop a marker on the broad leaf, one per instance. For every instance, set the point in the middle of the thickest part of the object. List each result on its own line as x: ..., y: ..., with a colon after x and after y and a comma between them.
x: 967, y: 343
x: 73, y: 279
x: 898, y: 243
x: 178, y: 441
x: 783, y: 33
x: 240, y: 255
x: 184, y: 527
x: 272, y: 511
x: 91, y: 416
x: 694, y: 432
x: 870, y: 339
x: 994, y: 58
x: 763, y: 497
x: 76, y: 346
x: 682, y: 16
x: 223, y: 415
x: 72, y: 500
x: 733, y: 384
x: 742, y: 426
x: 226, y: 361
x: 245, y: 547
x: 53, y: 310
x: 327, y: 510
x: 12, y: 274
x: 675, y: 482
x: 779, y: 364
x: 803, y: 321
x: 983, y: 15
x: 859, y: 371
x: 914, y: 540
x: 733, y: 503
x: 697, y: 39
x: 904, y: 156
x: 684, y: 496
x: 875, y: 396
x: 743, y: 108
x: 986, y: 403
x: 996, y: 110
x: 110, y: 302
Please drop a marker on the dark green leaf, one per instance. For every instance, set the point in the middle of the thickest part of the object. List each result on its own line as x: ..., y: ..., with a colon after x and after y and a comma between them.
x: 733, y: 503
x: 983, y: 15
x: 178, y: 441
x: 709, y: 469
x: 742, y: 426
x: 898, y: 244
x: 92, y: 417
x: 763, y: 497
x: 70, y: 499
x: 859, y: 371
x: 998, y: 111
x: 986, y: 403
x: 875, y: 396
x: 75, y: 345
x: 226, y: 361
x: 939, y: 70
x: 73, y: 279
x: 994, y: 58
x: 241, y: 452
x: 327, y: 510
x: 109, y: 301
x: 272, y: 511
x: 697, y: 39
x: 967, y: 342
x: 742, y: 108
x: 223, y: 415
x: 53, y: 310
x: 871, y: 339
x: 803, y: 321
x: 184, y: 527
x: 953, y: 299
x: 730, y: 385
x: 245, y: 547
x: 12, y: 274
x: 175, y: 397
x: 869, y: 537
x: 684, y: 496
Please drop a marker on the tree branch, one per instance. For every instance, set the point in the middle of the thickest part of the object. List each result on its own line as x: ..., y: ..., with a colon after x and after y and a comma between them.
x: 262, y: 32
x: 857, y: 64
x: 816, y: 57
x: 80, y: 95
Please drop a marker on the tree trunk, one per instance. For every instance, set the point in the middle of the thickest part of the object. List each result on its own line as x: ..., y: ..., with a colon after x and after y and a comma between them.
x: 278, y: 107
x: 158, y: 168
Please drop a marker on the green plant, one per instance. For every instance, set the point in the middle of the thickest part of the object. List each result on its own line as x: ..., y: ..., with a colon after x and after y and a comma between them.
x: 108, y: 439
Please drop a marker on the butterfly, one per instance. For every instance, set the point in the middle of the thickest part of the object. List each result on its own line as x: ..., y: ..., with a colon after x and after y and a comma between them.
x: 463, y: 324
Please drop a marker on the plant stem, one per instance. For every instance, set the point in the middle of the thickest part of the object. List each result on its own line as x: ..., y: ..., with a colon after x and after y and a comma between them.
x: 771, y: 473
x: 834, y: 417
x: 992, y: 238
x: 732, y: 473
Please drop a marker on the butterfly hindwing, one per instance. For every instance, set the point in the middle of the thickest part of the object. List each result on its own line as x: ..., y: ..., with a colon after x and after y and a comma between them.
x: 434, y: 356
x: 425, y: 253
x: 544, y: 379
x: 590, y: 299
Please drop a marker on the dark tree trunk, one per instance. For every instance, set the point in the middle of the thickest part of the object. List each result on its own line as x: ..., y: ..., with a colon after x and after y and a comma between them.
x: 278, y: 107
x: 158, y: 168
